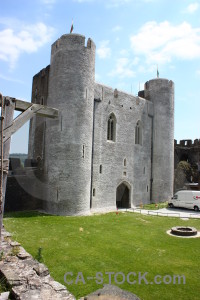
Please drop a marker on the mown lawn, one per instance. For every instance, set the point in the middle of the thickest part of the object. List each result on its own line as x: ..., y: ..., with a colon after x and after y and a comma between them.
x: 124, y: 242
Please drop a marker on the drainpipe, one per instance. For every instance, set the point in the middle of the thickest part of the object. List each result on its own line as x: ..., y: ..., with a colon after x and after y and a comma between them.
x: 151, y: 177
x: 92, y: 158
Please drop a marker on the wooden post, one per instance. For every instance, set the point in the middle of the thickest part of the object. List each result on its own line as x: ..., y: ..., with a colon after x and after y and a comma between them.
x: 8, y: 112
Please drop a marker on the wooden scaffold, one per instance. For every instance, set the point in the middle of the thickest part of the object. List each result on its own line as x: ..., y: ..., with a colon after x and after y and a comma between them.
x: 8, y: 127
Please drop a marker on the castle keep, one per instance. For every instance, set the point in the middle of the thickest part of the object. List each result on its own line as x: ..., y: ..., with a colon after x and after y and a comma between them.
x: 108, y: 148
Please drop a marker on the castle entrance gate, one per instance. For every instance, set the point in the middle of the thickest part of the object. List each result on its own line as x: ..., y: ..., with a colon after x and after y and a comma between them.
x: 123, y: 196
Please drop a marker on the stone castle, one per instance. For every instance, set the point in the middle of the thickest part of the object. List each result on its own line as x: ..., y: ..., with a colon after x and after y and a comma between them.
x: 108, y: 148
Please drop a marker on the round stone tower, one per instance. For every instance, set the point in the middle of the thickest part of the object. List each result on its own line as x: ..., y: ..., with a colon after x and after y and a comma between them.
x: 161, y: 93
x: 68, y: 141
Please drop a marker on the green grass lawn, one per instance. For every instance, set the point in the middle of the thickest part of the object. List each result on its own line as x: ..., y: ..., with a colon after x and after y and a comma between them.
x: 124, y: 242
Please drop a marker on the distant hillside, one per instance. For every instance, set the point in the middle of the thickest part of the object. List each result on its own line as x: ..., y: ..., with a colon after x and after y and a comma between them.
x: 22, y: 156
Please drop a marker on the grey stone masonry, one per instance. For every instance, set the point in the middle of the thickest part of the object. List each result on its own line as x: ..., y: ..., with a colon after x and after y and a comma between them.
x: 68, y: 141
x: 161, y: 92
x: 108, y: 148
x: 28, y: 278
x: 135, y: 173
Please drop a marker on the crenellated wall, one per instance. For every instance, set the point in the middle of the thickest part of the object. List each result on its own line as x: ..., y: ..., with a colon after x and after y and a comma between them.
x: 187, y: 150
x: 187, y: 143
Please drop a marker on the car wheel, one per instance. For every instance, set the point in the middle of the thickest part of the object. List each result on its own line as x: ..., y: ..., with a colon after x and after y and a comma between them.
x: 171, y: 205
x: 196, y: 208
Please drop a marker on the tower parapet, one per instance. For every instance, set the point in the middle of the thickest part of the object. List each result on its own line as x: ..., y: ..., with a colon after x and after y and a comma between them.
x: 71, y: 42
x: 188, y: 143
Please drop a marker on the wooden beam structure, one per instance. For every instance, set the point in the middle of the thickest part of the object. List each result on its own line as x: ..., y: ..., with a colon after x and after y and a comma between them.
x: 28, y: 110
x: 20, y: 105
x: 9, y: 127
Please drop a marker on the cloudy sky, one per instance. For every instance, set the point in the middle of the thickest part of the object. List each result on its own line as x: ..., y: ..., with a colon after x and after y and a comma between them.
x: 132, y: 37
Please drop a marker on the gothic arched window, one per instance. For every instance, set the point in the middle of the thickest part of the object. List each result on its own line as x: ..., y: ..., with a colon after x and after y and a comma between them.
x: 138, y: 133
x: 111, y: 130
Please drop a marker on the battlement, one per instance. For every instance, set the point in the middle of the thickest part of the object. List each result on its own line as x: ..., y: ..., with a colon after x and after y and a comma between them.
x: 42, y: 73
x: 156, y: 85
x: 187, y: 143
x: 72, y: 42
x: 158, y: 82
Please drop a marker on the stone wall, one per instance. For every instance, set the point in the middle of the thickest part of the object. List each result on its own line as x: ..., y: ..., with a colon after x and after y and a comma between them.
x: 17, y: 197
x: 24, y: 186
x: 121, y: 161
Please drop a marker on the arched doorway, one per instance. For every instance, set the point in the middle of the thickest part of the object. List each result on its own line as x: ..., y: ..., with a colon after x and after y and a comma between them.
x: 184, y: 157
x: 123, y: 196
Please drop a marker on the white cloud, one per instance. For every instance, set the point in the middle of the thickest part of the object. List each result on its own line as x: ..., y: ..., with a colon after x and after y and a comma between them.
x: 104, y: 51
x: 160, y: 42
x: 108, y: 3
x: 11, y: 79
x: 123, y: 69
x: 135, y: 61
x: 124, y: 52
x: 116, y: 3
x: 48, y: 2
x: 14, y: 42
x: 116, y: 28
x: 113, y: 3
x: 145, y: 69
x: 192, y: 8
x: 82, y: 1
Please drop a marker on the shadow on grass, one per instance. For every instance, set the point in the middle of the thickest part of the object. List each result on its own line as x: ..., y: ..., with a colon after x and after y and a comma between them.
x: 24, y: 214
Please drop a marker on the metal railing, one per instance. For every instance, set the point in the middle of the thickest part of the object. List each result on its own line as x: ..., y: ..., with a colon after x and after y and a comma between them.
x: 164, y: 214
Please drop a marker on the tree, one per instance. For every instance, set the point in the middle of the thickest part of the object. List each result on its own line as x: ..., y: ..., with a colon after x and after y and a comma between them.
x: 183, y: 174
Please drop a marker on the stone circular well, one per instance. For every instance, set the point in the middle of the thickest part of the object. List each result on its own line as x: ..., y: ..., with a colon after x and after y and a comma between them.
x: 183, y: 231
